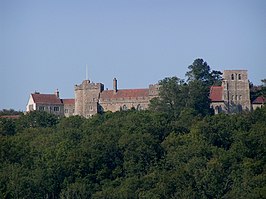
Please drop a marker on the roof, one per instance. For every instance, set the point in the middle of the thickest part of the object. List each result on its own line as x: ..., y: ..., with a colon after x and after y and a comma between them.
x: 126, y: 93
x: 259, y: 100
x: 68, y: 101
x: 216, y: 94
x: 46, y: 98
x: 10, y: 116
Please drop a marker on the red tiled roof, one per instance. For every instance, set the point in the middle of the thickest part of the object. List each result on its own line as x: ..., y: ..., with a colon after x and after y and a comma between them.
x: 10, y: 116
x: 126, y: 93
x: 68, y: 101
x: 46, y: 98
x: 259, y: 100
x: 216, y: 93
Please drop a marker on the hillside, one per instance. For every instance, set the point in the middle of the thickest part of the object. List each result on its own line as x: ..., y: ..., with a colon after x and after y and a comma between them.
x: 134, y: 154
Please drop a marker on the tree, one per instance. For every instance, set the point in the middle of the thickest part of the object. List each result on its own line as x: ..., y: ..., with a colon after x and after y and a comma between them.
x: 7, y: 126
x: 37, y: 119
x: 172, y: 96
x: 199, y: 70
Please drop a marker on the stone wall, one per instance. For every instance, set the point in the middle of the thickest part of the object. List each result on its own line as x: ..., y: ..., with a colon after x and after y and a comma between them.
x: 88, y: 100
x: 236, y: 90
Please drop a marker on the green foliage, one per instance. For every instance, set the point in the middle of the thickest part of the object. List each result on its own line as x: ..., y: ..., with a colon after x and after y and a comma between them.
x: 7, y: 126
x: 36, y: 119
x: 175, y: 95
x: 137, y: 154
x: 10, y: 112
x: 177, y: 150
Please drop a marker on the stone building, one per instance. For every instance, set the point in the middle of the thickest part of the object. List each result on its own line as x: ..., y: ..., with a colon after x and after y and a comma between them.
x: 234, y: 94
x: 91, y: 98
x: 258, y: 102
x: 51, y: 103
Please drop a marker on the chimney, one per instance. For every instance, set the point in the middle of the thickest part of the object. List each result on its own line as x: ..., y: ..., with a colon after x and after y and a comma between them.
x: 56, y: 93
x: 115, y: 85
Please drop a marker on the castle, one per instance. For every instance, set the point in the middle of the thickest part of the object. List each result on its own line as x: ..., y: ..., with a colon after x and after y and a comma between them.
x: 91, y: 98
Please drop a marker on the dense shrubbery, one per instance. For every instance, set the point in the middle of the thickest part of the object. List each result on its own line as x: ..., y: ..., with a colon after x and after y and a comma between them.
x: 134, y: 154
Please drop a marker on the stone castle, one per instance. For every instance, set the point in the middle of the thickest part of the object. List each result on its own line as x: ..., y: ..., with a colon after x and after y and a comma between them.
x: 91, y: 98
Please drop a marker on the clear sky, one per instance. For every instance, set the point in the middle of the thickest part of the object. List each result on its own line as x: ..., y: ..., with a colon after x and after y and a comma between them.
x: 46, y: 44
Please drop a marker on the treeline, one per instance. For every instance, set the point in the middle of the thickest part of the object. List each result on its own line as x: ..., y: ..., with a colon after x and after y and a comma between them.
x: 176, y: 149
x: 134, y: 154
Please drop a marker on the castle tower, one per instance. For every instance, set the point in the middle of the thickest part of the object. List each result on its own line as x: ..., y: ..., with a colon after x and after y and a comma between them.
x: 87, y: 97
x: 236, y: 91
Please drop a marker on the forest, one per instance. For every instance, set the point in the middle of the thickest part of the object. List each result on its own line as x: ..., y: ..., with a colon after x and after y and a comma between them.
x: 176, y: 149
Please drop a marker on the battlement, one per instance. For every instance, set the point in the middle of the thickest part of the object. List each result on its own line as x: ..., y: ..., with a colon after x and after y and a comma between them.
x: 87, y: 85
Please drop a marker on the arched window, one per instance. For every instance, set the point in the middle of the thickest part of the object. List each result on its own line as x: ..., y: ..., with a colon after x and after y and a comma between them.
x: 124, y: 108
x: 139, y: 107
x: 232, y: 77
x: 239, y: 76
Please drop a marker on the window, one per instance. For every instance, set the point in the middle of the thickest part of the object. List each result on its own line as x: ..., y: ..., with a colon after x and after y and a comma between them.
x: 236, y: 97
x: 233, y: 97
x: 66, y: 110
x: 232, y: 77
x: 240, y: 97
x: 91, y: 108
x: 56, y: 108
x: 239, y: 76
x: 124, y: 108
x: 139, y: 107
x: 41, y: 108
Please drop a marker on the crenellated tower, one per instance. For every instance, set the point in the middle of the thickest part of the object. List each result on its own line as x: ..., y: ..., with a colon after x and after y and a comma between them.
x: 87, y: 98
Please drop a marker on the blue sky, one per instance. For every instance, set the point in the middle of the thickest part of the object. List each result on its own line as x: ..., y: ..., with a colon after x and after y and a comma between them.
x: 45, y: 45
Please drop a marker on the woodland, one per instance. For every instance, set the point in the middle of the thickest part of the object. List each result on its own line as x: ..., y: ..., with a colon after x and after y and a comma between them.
x: 176, y: 149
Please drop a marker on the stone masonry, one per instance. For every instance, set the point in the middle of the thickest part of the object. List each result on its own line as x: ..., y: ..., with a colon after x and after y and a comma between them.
x: 91, y: 98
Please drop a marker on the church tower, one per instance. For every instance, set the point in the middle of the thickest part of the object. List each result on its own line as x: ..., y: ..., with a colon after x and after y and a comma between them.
x: 236, y: 91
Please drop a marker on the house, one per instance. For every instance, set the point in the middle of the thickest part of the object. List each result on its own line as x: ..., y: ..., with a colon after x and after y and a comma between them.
x: 50, y: 103
x: 258, y: 102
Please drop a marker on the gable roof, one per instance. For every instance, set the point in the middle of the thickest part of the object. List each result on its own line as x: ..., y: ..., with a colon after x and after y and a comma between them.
x: 126, y: 93
x: 216, y: 94
x: 46, y: 98
x: 68, y: 101
x: 259, y: 100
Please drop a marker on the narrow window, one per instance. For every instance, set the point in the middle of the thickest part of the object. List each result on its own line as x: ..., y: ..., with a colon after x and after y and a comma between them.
x: 240, y: 97
x: 233, y: 97
x: 239, y: 76
x: 66, y: 110
x: 232, y: 77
